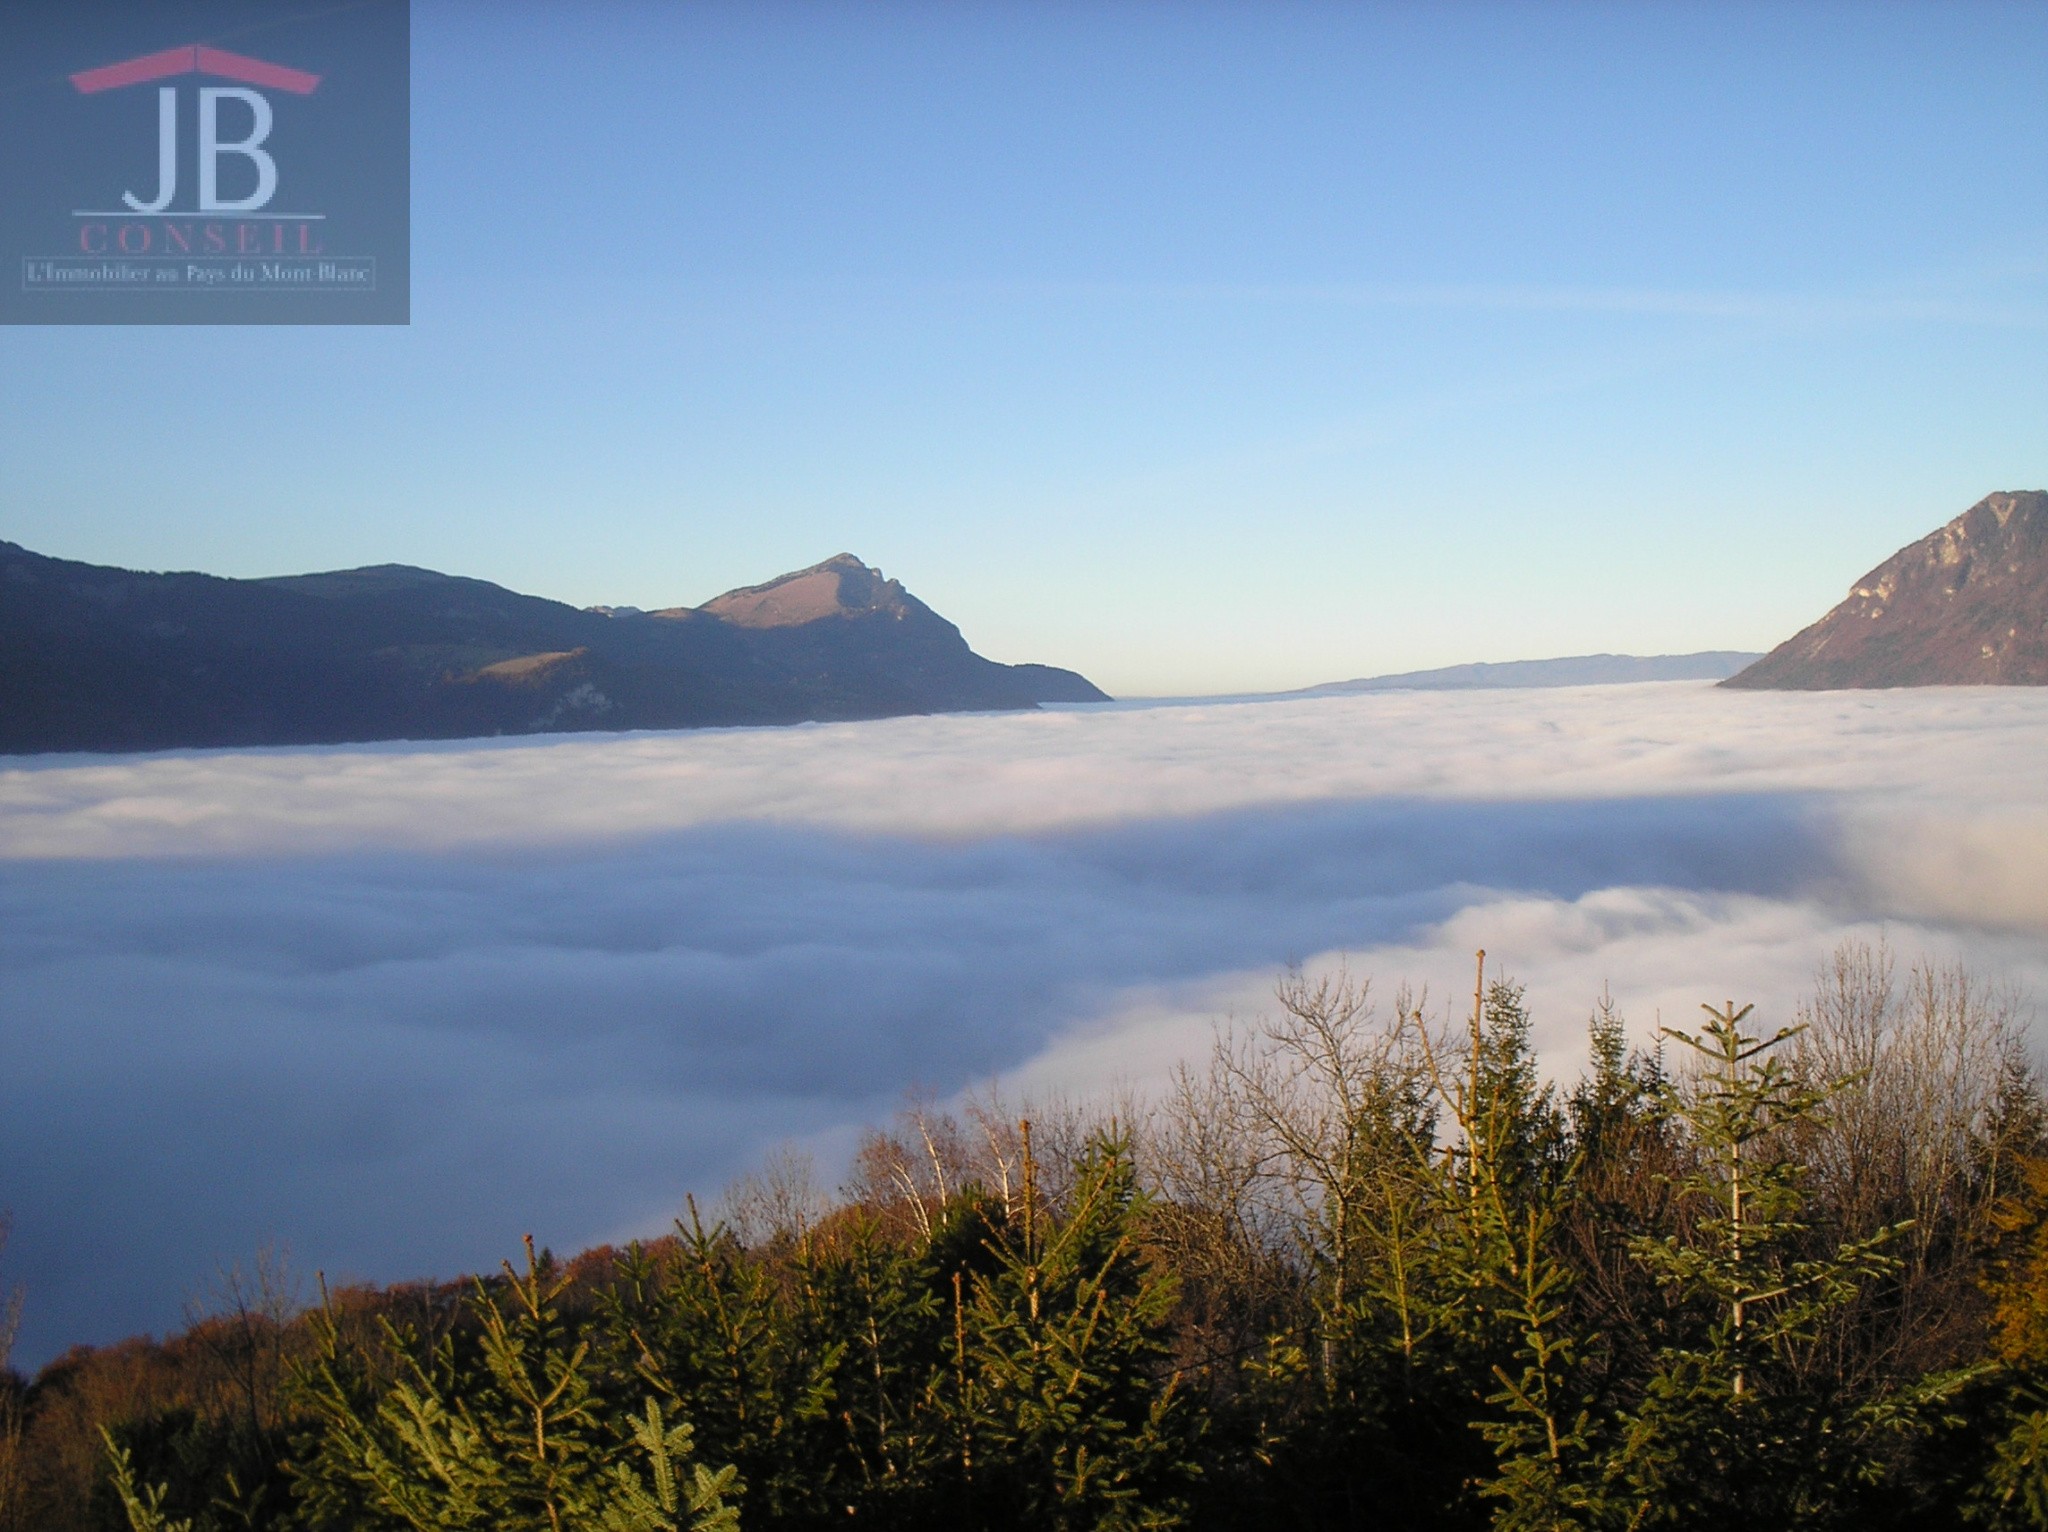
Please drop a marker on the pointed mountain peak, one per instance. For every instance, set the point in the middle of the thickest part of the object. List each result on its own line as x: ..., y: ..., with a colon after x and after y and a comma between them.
x: 842, y: 586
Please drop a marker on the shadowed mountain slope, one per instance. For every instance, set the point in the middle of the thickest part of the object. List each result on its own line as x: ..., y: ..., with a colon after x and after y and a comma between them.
x: 93, y: 658
x: 1965, y: 605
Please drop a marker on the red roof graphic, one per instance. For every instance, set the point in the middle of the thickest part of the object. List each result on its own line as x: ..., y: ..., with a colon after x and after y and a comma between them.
x: 195, y: 58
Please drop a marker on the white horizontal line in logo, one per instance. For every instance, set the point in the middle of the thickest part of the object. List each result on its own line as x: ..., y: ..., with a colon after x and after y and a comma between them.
x: 81, y: 212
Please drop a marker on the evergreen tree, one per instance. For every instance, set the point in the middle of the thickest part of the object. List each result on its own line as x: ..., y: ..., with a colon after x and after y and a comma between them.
x: 1719, y: 1438
x: 504, y: 1433
x: 1068, y: 1424
x: 1520, y: 1171
x: 881, y: 1298
x: 737, y: 1339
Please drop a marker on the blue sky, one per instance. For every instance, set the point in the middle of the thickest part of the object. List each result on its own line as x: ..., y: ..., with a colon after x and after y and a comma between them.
x: 1198, y: 347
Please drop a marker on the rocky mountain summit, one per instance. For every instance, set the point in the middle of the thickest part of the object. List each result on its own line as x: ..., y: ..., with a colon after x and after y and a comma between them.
x: 1965, y: 605
x: 95, y: 658
x: 842, y: 586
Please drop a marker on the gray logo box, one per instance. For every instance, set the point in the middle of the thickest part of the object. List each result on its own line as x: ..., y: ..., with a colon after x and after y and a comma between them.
x: 205, y: 162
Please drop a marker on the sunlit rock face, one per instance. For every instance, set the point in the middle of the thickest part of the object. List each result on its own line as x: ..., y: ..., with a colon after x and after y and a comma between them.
x: 842, y: 586
x: 1966, y: 605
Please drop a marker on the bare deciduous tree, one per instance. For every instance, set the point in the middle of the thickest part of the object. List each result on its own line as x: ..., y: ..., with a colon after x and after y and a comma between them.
x: 1920, y: 1137
x: 241, y: 1321
x: 780, y: 1202
x: 1303, y: 1149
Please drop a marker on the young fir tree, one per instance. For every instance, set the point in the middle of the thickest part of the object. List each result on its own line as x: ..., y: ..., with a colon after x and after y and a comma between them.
x: 1394, y: 1398
x: 1723, y: 1435
x: 504, y: 1433
x: 177, y: 1468
x: 1519, y: 1173
x: 1583, y: 1320
x: 738, y: 1339
x: 888, y: 1304
x: 1065, y: 1420
x: 142, y: 1501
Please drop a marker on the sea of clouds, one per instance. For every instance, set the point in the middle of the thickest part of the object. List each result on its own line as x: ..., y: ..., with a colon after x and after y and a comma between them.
x: 396, y: 1005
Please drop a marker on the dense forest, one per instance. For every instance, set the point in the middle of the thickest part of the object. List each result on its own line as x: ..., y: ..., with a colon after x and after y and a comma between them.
x: 1363, y: 1266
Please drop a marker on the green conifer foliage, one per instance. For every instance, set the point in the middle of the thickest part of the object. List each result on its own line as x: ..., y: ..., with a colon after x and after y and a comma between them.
x: 898, y: 1437
x: 1520, y: 1176
x: 142, y: 1503
x: 1069, y: 1424
x: 503, y: 1431
x: 1721, y: 1435
x: 739, y: 1342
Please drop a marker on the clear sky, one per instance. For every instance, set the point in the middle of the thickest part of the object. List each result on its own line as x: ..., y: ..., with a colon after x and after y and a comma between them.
x: 1201, y: 348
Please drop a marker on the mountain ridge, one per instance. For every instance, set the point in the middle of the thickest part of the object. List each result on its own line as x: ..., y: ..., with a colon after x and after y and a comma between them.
x: 1566, y: 670
x: 99, y: 658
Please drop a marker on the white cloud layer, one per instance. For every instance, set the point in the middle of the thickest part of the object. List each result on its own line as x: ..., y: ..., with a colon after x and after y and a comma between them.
x: 993, y: 774
x: 397, y: 1004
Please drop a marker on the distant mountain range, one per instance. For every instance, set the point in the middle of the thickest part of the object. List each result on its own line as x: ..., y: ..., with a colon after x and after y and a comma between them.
x: 1965, y: 605
x: 1574, y: 670
x: 93, y: 658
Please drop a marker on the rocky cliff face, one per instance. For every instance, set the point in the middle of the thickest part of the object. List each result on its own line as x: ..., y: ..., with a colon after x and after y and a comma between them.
x: 93, y: 658
x: 1966, y: 605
